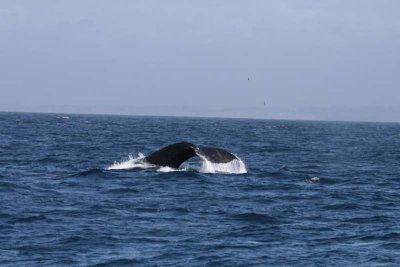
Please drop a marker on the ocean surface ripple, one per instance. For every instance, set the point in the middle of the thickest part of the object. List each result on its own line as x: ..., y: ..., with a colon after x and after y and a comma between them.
x: 315, y: 193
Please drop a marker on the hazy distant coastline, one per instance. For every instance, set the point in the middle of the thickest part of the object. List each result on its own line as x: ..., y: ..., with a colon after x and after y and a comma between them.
x: 373, y: 114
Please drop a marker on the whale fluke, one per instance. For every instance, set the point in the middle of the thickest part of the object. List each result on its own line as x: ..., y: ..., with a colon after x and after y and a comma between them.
x: 216, y: 155
x: 174, y: 155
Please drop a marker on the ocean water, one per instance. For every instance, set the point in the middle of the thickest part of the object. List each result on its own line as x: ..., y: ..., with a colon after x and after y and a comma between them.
x: 311, y: 193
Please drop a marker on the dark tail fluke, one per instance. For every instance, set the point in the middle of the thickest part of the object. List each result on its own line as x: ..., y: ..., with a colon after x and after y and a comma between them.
x: 174, y: 155
x: 216, y: 155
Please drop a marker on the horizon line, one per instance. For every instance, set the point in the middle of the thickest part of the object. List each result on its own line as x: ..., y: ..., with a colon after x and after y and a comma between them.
x: 196, y: 117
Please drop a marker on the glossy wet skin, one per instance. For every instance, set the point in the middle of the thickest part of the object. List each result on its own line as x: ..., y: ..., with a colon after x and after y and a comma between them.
x: 174, y: 155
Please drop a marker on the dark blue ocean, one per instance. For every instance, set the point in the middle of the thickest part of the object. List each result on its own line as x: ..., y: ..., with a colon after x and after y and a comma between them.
x: 61, y: 206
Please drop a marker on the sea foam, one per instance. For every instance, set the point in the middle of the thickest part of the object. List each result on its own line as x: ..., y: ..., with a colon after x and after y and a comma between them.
x: 235, y: 166
x: 131, y: 163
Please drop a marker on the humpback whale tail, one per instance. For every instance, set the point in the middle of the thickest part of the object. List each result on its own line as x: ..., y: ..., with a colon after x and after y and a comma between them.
x: 172, y: 156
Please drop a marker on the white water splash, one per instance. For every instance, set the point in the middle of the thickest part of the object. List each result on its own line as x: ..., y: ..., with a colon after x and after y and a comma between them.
x: 131, y: 163
x: 235, y: 166
x: 169, y: 169
x: 314, y: 180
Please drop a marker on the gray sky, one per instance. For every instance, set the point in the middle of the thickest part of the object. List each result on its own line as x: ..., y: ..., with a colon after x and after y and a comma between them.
x: 306, y: 59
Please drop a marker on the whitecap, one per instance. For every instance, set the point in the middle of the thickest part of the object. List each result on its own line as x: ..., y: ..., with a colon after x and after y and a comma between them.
x: 314, y: 180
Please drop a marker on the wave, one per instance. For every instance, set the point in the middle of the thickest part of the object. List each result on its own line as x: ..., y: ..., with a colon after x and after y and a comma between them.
x: 253, y: 217
x: 29, y: 219
x: 86, y: 173
x: 122, y: 190
x: 119, y: 262
x: 236, y: 166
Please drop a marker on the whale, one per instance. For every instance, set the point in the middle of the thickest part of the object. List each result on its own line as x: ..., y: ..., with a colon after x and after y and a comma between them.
x: 175, y: 154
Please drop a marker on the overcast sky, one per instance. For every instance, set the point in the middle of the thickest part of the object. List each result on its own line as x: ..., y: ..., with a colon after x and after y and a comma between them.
x: 336, y: 60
